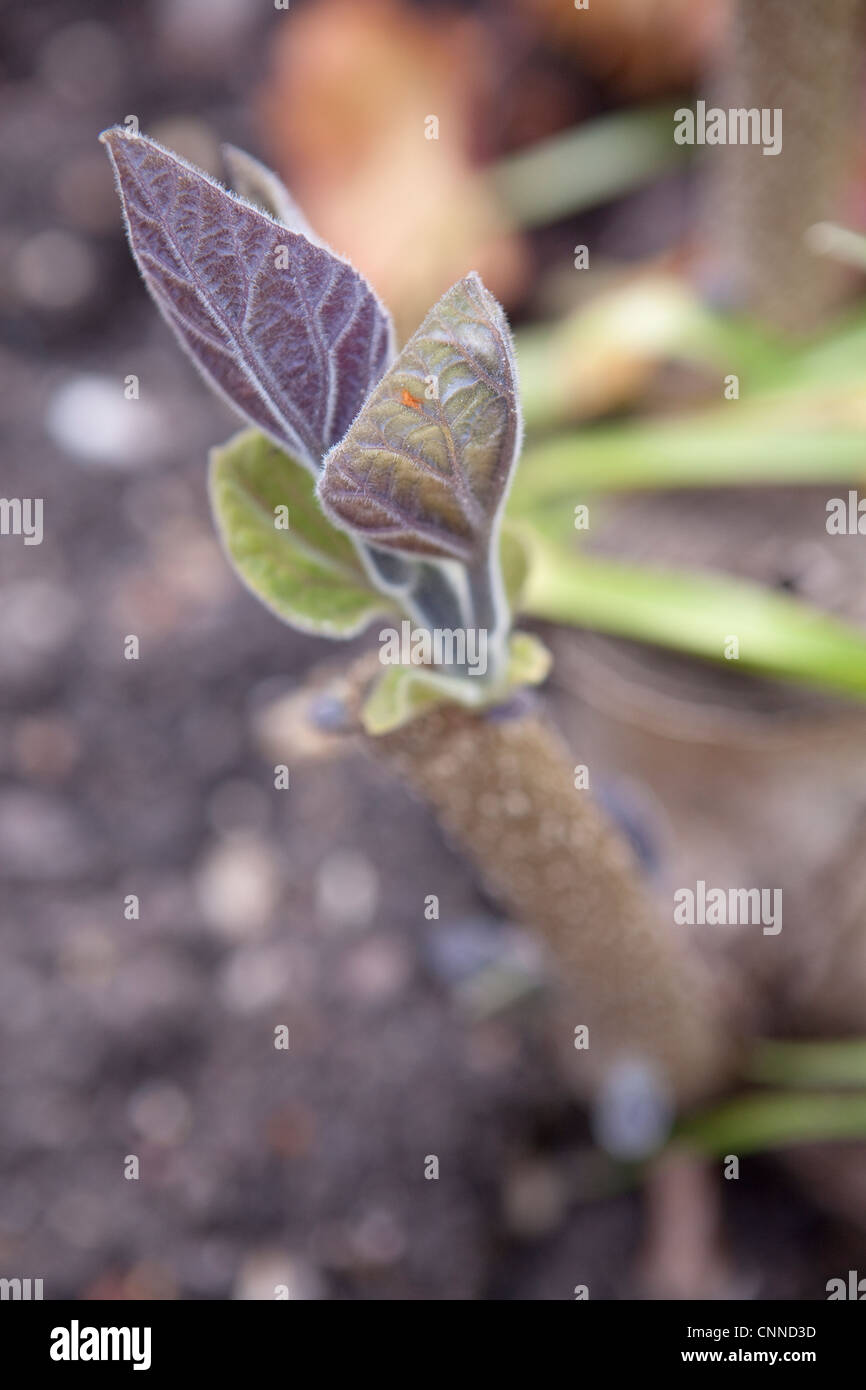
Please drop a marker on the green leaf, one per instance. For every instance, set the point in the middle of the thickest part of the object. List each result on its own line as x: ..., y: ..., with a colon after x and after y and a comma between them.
x: 424, y: 467
x: 835, y: 360
x: 708, y: 451
x: 841, y: 1062
x: 403, y: 692
x: 529, y: 660
x: 774, y: 1120
x: 309, y: 574
x: 800, y: 419
x: 591, y: 164
x: 398, y: 695
x: 695, y: 612
x: 601, y: 354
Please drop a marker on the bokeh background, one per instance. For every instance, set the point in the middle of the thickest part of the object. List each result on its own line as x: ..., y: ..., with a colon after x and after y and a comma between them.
x: 306, y: 907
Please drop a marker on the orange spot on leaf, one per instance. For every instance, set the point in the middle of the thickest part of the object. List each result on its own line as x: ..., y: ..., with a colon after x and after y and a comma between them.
x: 410, y: 400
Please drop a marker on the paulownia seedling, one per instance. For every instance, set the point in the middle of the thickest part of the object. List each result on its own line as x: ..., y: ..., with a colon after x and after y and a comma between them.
x: 370, y: 486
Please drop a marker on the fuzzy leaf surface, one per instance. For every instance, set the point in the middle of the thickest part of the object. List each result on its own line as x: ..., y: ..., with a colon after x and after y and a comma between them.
x: 426, y: 473
x: 287, y: 332
x: 260, y: 185
x: 402, y: 693
x: 310, y: 574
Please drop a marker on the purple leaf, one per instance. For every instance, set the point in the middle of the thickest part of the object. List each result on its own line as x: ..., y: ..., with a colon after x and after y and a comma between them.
x: 259, y: 185
x: 285, y: 330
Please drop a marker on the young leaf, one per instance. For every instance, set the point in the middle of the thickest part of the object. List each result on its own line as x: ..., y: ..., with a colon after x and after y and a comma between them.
x: 402, y: 693
x: 285, y: 551
x: 260, y: 185
x: 399, y: 695
x: 425, y: 466
x: 290, y: 334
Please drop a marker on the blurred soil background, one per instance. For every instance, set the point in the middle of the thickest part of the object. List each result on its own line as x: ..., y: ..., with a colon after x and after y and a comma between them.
x: 305, y: 907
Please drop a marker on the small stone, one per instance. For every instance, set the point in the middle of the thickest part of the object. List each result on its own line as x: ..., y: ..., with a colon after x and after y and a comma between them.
x: 237, y: 887
x: 253, y: 979
x: 91, y: 419
x: 202, y: 36
x: 38, y: 620
x: 534, y: 1199
x: 347, y: 891
x: 487, y: 963
x: 266, y: 1273
x: 378, y: 1239
x: 160, y: 1113
x: 633, y: 1111
x: 54, y: 270
x: 377, y: 971
x: 329, y: 713
x: 456, y: 950
x: 41, y: 840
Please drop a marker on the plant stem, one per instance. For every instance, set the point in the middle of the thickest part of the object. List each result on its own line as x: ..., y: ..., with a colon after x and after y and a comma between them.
x: 489, y: 609
x: 502, y: 786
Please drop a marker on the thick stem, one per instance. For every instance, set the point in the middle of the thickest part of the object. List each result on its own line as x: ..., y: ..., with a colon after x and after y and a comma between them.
x: 502, y: 786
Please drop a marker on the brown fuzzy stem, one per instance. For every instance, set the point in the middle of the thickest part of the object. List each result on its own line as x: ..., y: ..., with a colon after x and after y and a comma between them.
x: 502, y: 786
